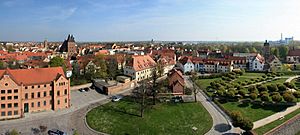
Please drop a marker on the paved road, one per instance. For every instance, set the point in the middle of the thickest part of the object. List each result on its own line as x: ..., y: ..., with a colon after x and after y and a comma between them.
x: 221, y: 122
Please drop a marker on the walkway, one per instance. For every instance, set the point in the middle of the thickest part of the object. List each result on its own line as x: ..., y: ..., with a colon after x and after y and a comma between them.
x: 221, y: 122
x: 276, y: 116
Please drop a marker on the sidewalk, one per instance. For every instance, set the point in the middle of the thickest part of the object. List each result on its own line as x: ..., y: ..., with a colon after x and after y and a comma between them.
x: 275, y: 116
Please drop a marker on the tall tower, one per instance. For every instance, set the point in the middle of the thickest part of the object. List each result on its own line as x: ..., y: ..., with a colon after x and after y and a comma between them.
x: 45, y: 43
x: 266, y: 49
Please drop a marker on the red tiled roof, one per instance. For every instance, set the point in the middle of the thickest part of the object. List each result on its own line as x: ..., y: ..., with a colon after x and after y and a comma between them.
x: 34, y: 76
x: 294, y: 52
x: 142, y: 62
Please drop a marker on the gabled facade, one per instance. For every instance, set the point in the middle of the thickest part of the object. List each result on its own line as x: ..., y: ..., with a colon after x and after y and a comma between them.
x: 33, y: 90
x: 176, y: 82
x: 139, y: 67
x: 186, y: 65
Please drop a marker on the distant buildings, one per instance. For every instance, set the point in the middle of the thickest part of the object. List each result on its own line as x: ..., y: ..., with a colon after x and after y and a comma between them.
x: 293, y: 56
x: 282, y: 41
x: 33, y: 90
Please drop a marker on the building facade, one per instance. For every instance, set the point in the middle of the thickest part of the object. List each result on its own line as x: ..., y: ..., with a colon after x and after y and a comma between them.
x: 140, y: 67
x: 33, y: 90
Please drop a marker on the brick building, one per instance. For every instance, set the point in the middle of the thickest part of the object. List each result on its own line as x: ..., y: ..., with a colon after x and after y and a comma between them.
x: 176, y: 82
x: 32, y: 90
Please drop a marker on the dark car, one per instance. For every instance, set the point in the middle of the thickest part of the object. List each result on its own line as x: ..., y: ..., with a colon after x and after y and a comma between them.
x: 177, y: 99
x: 56, y: 132
x: 81, y: 90
x: 116, y: 98
x: 86, y: 89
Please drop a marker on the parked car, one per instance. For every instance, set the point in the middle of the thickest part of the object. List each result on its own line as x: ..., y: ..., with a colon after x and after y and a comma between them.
x: 86, y: 89
x: 56, y: 132
x: 81, y: 90
x: 116, y: 98
x: 177, y: 99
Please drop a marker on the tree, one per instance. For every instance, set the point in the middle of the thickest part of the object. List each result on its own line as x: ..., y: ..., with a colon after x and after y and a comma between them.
x: 230, y: 93
x: 283, y: 51
x: 253, y: 96
x: 100, y: 62
x: 272, y: 87
x: 262, y: 88
x: 154, y: 86
x: 288, y: 97
x: 276, y: 98
x: 2, y: 65
x: 141, y: 94
x: 195, y: 88
x: 296, y: 94
x: 275, y: 52
x: 265, y: 97
x: 281, y: 87
x: 252, y: 89
x: 57, y: 62
x: 246, y: 124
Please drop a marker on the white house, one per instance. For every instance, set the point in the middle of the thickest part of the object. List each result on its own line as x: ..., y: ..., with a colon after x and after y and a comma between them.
x: 186, y: 65
x: 140, y: 67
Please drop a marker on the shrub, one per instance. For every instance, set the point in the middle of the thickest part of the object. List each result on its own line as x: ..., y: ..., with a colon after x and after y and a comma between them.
x: 246, y: 124
x: 188, y: 91
x: 297, y: 94
x: 276, y: 98
x: 242, y: 92
x: 272, y: 87
x: 264, y: 76
x: 289, y: 85
x: 253, y: 96
x: 265, y: 97
x: 281, y: 87
x: 262, y: 88
x: 252, y: 89
x: 288, y: 97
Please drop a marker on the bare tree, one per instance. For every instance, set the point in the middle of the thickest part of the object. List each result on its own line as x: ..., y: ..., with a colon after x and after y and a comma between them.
x: 141, y: 95
x: 195, y: 90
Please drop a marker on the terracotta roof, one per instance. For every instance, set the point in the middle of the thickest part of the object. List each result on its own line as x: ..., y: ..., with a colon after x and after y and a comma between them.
x: 141, y: 62
x: 294, y: 52
x: 34, y: 76
x: 185, y: 60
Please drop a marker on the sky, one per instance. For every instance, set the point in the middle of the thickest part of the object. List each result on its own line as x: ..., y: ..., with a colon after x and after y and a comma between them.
x: 143, y: 20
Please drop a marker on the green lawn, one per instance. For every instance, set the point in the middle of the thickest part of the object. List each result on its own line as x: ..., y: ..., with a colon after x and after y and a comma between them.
x: 253, y: 112
x: 280, y: 80
x: 163, y: 119
x: 276, y: 123
x: 203, y: 83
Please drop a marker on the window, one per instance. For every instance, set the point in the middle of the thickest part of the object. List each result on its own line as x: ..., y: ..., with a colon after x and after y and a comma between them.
x: 32, y: 95
x: 26, y: 87
x: 2, y: 91
x: 6, y: 84
x: 9, y: 105
x: 45, y: 85
x: 39, y: 94
x: 2, y: 106
x: 15, y: 104
x: 51, y: 92
x: 45, y: 93
x: 66, y: 92
x: 9, y: 91
x: 3, y: 98
x: 45, y: 103
x: 66, y: 100
x: 16, y: 97
x: 39, y: 104
x: 39, y: 86
x: 58, y: 102
x: 9, y: 98
x: 58, y: 93
x: 32, y: 87
x: 26, y: 95
x: 9, y: 113
x: 15, y: 112
x: 32, y: 104
x: 2, y: 113
x: 16, y: 91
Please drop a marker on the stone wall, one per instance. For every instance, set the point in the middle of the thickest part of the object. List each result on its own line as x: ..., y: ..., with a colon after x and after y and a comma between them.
x: 290, y: 127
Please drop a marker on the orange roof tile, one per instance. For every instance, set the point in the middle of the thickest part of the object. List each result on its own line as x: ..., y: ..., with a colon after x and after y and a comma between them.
x: 34, y: 76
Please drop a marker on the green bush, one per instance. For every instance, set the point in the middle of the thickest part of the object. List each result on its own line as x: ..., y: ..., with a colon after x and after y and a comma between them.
x: 253, y: 96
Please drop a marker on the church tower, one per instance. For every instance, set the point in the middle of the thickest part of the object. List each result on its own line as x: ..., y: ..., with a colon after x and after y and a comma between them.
x: 266, y: 49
